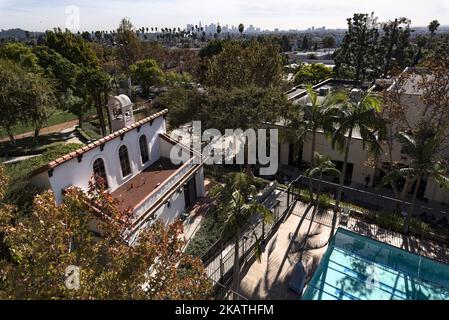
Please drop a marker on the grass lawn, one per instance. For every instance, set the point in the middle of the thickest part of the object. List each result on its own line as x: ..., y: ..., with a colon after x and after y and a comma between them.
x: 27, y: 146
x: 19, y: 190
x: 58, y: 117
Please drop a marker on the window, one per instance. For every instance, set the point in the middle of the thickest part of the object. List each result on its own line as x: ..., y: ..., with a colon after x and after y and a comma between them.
x: 124, y: 161
x: 100, y: 172
x: 143, y: 149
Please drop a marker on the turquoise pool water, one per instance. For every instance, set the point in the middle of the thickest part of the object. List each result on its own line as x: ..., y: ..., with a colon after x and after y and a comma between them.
x: 359, y: 268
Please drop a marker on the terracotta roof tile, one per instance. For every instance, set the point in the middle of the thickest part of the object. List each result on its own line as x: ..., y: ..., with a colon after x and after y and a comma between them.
x: 96, y: 143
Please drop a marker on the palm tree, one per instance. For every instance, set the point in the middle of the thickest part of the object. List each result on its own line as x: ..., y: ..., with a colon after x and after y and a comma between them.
x: 218, y: 29
x: 421, y: 151
x: 233, y: 202
x: 241, y: 29
x: 433, y: 27
x: 316, y: 116
x: 323, y: 165
x: 350, y: 112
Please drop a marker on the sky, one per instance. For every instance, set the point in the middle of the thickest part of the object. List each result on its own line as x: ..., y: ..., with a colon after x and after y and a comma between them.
x: 40, y: 15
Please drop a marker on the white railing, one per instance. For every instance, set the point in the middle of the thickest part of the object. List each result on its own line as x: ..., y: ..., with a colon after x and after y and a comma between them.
x: 164, y: 187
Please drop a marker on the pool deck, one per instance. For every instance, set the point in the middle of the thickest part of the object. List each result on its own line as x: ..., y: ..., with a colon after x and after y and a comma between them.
x: 304, y: 236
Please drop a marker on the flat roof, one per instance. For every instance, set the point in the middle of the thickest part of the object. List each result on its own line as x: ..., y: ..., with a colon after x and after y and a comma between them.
x: 135, y: 190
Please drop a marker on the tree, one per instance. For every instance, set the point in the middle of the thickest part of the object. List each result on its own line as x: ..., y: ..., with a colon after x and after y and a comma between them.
x: 129, y: 47
x: 241, y: 29
x: 355, y: 111
x: 147, y: 73
x: 174, y: 79
x: 396, y: 44
x: 232, y: 202
x: 218, y: 29
x: 258, y: 64
x: 358, y: 57
x: 321, y: 165
x: 94, y: 86
x: 433, y: 27
x: 71, y: 47
x: 184, y: 105
x: 429, y: 124
x: 424, y: 162
x: 25, y: 97
x: 312, y: 74
x: 285, y: 43
x: 20, y: 53
x: 305, y: 45
x: 43, y: 245
x: 242, y: 108
x: 64, y: 74
x: 328, y: 42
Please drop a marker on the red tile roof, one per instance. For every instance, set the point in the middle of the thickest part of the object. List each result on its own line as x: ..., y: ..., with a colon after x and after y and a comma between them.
x: 97, y: 143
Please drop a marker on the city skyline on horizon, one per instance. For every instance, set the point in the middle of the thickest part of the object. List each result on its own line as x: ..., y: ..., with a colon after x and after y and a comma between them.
x: 298, y: 15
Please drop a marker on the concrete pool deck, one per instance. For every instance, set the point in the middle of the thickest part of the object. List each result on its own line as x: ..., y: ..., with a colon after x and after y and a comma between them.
x: 304, y: 236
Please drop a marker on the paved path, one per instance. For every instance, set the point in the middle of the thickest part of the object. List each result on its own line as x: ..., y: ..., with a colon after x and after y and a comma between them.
x: 56, y: 128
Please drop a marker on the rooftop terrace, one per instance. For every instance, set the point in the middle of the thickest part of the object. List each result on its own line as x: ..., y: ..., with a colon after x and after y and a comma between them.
x: 134, y: 191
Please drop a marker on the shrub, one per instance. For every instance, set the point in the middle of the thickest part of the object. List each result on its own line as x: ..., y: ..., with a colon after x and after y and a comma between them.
x: 208, y: 233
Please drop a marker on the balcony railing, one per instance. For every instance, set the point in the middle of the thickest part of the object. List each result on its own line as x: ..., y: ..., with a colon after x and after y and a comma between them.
x: 164, y: 187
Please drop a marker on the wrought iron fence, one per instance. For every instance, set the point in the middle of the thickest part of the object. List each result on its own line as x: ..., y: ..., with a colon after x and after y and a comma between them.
x: 219, y: 267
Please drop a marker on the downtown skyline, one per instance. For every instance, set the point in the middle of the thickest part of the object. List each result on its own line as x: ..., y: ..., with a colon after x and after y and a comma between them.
x: 266, y: 14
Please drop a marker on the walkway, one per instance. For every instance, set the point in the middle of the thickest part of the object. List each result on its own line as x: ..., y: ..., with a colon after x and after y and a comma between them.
x: 51, y: 129
x: 299, y: 238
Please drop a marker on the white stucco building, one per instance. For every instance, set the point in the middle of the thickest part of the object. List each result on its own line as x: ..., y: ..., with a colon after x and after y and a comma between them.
x: 292, y: 154
x: 135, y: 164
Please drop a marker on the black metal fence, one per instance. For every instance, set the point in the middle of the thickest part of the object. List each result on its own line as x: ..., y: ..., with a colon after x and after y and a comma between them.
x: 369, y: 200
x: 219, y: 266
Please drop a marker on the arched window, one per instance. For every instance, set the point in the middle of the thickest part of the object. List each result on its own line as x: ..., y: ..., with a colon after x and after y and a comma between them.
x: 143, y: 149
x: 100, y: 172
x: 124, y: 161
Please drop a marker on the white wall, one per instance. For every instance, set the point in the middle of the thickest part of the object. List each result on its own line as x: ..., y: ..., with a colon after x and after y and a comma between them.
x: 74, y: 173
x: 357, y: 156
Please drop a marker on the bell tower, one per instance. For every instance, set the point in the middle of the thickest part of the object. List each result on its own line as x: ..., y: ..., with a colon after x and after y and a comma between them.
x: 120, y: 110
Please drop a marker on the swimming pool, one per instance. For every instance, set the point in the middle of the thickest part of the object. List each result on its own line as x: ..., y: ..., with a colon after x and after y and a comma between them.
x: 359, y: 268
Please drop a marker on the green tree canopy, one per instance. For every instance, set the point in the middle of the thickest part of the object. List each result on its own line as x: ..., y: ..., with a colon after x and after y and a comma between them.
x: 147, y: 73
x: 358, y: 57
x: 25, y: 97
x: 258, y: 64
x: 312, y: 74
x: 71, y: 47
x: 20, y: 53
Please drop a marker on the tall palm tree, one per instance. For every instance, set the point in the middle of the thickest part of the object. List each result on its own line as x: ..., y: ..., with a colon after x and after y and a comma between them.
x: 421, y: 151
x: 433, y: 27
x: 351, y: 112
x: 322, y: 165
x: 241, y: 29
x: 316, y: 116
x: 218, y: 29
x: 232, y: 201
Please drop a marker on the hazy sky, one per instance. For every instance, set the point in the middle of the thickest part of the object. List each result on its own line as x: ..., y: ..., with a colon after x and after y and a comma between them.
x: 283, y: 14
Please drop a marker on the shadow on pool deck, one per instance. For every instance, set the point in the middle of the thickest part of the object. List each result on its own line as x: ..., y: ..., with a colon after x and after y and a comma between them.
x: 298, y: 238
x: 304, y: 236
